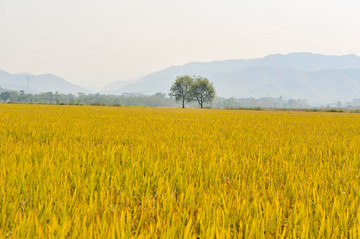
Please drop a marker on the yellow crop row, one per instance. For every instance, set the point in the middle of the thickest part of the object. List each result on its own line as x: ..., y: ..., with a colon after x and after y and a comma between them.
x: 119, y: 172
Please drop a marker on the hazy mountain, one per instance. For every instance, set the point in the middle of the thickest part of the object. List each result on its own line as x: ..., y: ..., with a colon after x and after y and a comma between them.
x: 114, y: 87
x: 315, y: 77
x: 38, y: 83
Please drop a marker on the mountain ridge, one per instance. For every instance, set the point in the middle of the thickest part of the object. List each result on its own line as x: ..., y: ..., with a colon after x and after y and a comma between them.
x: 38, y: 83
x: 235, y: 78
x: 315, y: 77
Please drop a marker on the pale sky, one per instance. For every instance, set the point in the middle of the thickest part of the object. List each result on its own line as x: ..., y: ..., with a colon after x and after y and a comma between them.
x: 95, y: 42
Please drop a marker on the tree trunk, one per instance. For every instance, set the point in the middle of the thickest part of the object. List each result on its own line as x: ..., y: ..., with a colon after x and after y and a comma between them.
x: 183, y: 101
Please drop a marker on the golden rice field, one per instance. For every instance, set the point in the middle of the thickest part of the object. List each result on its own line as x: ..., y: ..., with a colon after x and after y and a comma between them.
x: 120, y: 172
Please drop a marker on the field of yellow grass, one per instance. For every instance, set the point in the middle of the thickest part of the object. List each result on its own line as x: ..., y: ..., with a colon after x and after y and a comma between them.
x: 115, y: 172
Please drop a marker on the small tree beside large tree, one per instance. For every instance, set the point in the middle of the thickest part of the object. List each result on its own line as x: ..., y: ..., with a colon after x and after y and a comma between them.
x: 197, y: 88
x: 202, y: 91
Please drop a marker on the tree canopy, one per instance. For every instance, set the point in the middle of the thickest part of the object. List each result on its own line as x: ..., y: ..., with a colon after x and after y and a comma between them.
x: 202, y: 91
x: 196, y: 88
x: 180, y: 90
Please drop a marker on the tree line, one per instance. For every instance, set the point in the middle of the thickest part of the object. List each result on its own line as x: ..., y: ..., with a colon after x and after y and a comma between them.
x: 194, y: 91
x: 156, y: 100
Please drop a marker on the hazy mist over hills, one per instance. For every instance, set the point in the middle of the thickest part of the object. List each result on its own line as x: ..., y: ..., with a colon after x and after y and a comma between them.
x: 114, y: 87
x: 38, y: 83
x: 319, y: 79
x: 314, y: 77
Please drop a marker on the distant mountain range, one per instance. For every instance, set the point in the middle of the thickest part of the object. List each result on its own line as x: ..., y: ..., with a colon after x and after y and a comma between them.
x: 315, y: 77
x: 114, y: 87
x: 37, y: 83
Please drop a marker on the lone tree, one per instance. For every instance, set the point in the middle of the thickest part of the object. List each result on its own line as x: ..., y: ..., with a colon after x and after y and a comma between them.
x: 202, y: 90
x: 181, y: 89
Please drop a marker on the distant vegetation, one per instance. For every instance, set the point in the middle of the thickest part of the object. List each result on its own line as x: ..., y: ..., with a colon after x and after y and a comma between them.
x: 157, y: 100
